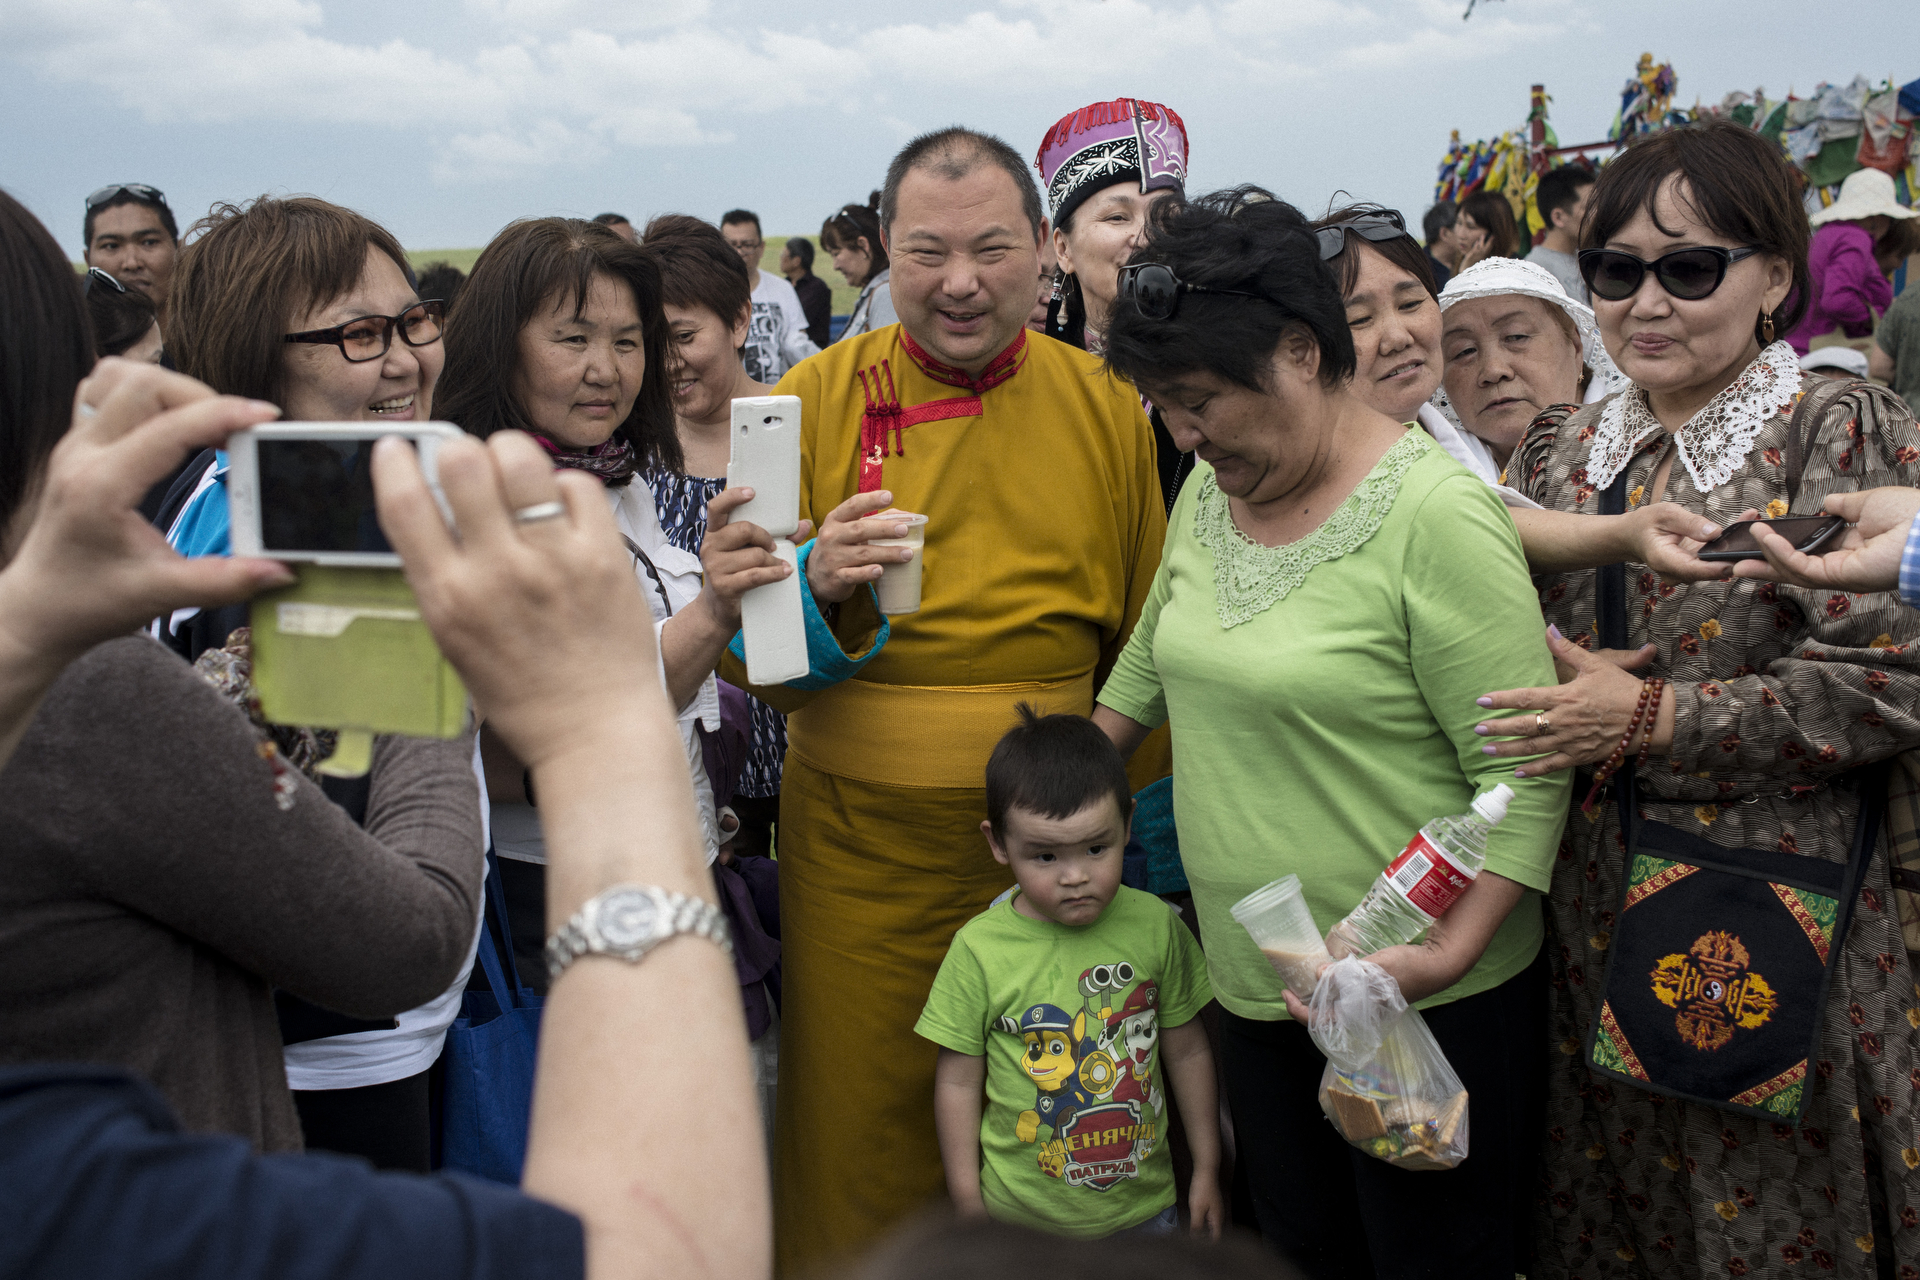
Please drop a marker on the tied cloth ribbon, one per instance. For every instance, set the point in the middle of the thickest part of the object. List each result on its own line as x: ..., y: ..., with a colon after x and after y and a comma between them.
x: 884, y: 419
x: 612, y: 459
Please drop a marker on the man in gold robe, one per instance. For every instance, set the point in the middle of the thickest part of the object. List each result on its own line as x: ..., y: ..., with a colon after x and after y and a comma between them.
x: 1036, y: 472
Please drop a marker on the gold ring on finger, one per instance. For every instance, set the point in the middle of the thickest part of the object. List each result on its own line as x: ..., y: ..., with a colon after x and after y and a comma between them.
x: 1541, y: 726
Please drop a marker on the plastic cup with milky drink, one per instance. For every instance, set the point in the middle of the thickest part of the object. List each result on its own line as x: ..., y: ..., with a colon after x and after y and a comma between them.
x: 899, y: 584
x: 1282, y: 927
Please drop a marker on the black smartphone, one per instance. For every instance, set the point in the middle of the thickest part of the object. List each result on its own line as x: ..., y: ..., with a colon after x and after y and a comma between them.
x: 1806, y: 533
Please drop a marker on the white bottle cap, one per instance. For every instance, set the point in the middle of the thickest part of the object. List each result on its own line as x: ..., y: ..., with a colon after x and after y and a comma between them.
x: 1492, y: 805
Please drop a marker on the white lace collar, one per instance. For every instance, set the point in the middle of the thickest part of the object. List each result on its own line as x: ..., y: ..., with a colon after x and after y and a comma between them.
x: 1715, y: 440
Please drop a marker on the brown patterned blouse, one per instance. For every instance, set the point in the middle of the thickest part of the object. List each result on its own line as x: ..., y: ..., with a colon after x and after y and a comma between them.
x: 1779, y: 690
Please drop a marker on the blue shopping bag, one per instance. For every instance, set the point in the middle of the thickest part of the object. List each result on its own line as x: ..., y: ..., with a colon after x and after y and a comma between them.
x: 490, y: 1056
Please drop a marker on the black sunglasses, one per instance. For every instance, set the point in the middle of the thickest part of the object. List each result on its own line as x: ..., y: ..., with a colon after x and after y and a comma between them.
x: 1155, y: 291
x: 138, y: 190
x: 1691, y: 274
x: 96, y: 276
x: 370, y: 337
x: 1368, y: 226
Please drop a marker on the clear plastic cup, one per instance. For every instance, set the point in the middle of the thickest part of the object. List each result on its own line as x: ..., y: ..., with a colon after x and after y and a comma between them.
x: 899, y: 585
x: 1277, y: 919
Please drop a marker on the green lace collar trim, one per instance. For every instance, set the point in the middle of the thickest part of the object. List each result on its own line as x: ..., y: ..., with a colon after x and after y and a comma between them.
x: 1249, y: 579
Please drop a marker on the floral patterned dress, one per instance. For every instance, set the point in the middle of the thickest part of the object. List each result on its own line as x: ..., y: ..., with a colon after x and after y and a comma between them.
x: 1778, y: 690
x: 681, y: 502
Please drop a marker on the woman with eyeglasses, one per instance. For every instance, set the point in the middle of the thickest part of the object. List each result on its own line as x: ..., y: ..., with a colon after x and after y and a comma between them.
x: 1761, y: 701
x: 1333, y: 591
x: 182, y: 899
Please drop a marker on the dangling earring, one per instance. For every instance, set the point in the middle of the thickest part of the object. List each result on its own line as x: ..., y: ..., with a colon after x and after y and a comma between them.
x: 1766, y: 330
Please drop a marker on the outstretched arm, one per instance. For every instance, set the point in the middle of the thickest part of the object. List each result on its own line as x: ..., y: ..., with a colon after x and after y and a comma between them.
x: 89, y: 566
x: 548, y: 628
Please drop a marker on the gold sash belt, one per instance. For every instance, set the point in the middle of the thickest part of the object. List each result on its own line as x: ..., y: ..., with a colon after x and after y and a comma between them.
x: 918, y: 735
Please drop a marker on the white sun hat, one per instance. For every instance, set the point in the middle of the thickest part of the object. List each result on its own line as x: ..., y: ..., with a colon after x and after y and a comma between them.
x: 1866, y: 192
x: 1494, y: 277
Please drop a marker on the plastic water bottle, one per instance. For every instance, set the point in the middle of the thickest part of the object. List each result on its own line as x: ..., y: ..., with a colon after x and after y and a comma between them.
x: 1428, y: 877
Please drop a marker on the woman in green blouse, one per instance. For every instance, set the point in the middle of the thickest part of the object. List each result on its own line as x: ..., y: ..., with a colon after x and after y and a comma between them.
x: 1335, y: 594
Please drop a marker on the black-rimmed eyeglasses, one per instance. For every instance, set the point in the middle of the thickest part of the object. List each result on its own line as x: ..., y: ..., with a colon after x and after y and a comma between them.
x: 1386, y: 225
x: 370, y: 337
x: 1155, y: 291
x: 138, y: 190
x: 95, y: 276
x: 1691, y: 274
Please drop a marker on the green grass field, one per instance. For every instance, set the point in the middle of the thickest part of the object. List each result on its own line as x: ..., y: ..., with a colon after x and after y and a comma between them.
x: 843, y: 297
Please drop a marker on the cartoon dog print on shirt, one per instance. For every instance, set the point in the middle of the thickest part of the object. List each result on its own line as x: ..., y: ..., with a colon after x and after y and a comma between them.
x: 1092, y: 1074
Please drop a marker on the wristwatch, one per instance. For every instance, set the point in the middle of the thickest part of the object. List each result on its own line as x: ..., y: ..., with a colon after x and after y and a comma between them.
x: 630, y: 920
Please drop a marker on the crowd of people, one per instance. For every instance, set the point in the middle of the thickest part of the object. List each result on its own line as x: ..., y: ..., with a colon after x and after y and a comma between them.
x: 1335, y: 525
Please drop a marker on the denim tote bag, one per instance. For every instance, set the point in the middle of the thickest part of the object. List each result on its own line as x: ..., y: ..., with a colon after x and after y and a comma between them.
x: 490, y: 1057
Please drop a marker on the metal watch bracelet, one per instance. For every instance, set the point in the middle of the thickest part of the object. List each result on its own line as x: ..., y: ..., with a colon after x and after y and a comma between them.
x: 629, y: 920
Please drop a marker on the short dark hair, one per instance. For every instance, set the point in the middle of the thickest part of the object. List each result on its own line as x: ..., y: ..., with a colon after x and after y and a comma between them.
x: 612, y: 219
x: 736, y: 217
x: 1738, y: 183
x: 127, y: 197
x: 247, y: 272
x: 845, y: 230
x: 1493, y: 213
x: 121, y: 317
x: 1560, y: 189
x: 1054, y: 766
x: 1438, y: 219
x: 1402, y: 251
x: 802, y: 249
x: 1242, y: 239
x: 46, y: 347
x: 698, y: 268
x: 527, y: 265
x: 953, y: 153
x: 442, y: 280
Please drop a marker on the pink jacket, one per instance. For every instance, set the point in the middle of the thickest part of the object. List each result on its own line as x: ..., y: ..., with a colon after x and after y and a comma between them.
x: 1848, y: 289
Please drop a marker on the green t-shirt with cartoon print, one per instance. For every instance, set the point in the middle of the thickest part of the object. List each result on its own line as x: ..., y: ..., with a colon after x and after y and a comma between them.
x: 1073, y: 1134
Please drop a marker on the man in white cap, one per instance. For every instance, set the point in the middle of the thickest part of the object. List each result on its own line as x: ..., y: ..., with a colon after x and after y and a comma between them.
x: 1848, y: 288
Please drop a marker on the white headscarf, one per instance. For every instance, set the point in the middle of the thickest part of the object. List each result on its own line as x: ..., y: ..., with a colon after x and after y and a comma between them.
x: 1493, y: 277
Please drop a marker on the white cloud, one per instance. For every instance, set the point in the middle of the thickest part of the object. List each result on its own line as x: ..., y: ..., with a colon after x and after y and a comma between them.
x: 535, y: 84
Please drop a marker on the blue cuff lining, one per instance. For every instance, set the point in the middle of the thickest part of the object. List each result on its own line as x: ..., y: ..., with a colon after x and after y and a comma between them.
x: 828, y: 664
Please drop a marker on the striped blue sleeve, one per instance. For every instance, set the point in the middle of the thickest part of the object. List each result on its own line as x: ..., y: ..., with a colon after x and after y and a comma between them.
x: 1910, y: 567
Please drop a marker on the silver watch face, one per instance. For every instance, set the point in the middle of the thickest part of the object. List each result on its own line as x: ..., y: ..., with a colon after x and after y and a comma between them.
x: 628, y: 919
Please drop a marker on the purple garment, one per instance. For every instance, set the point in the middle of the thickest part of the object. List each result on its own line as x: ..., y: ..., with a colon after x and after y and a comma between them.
x: 1848, y: 289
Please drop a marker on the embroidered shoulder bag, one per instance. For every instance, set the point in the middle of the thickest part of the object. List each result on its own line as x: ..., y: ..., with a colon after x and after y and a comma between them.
x: 1720, y: 958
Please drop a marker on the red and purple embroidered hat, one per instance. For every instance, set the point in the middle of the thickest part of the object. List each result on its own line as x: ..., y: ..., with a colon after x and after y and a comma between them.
x: 1124, y: 140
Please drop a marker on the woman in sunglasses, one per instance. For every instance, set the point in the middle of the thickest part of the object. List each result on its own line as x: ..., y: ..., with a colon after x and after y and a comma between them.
x: 1758, y: 698
x: 1332, y: 588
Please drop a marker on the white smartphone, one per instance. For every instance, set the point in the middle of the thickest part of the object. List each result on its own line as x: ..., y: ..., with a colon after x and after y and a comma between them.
x: 773, y: 626
x: 766, y: 455
x: 304, y: 490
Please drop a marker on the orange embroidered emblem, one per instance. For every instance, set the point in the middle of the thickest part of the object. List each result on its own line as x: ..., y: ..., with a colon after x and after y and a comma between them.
x: 1712, y: 991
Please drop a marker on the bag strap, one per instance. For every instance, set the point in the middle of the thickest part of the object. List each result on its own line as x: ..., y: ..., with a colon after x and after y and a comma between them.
x: 496, y: 942
x: 1818, y: 397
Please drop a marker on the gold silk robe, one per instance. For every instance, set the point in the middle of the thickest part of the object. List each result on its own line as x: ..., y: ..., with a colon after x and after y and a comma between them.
x: 1044, y: 529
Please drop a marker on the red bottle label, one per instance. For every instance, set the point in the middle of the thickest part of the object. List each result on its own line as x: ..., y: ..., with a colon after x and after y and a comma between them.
x: 1426, y: 877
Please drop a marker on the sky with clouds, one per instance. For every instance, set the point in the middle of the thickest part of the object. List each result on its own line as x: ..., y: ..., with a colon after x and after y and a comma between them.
x: 443, y: 119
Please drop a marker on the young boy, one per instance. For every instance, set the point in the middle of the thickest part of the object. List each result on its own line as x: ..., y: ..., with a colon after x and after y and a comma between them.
x: 1063, y: 1000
